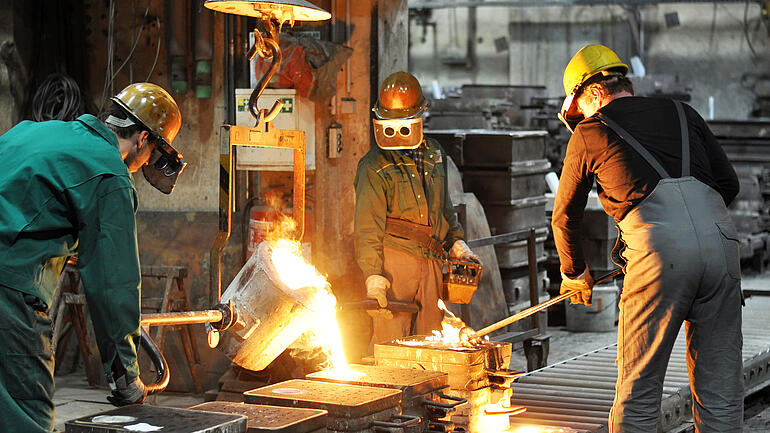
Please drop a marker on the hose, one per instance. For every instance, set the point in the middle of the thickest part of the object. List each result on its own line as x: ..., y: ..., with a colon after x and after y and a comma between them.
x: 57, y: 98
x: 159, y: 361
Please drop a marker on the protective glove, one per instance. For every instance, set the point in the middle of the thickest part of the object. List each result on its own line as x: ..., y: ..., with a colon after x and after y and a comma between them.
x: 124, y: 393
x: 584, y: 284
x: 460, y: 250
x: 377, y: 288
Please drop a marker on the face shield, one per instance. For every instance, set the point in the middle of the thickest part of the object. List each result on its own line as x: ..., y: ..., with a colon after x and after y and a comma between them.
x: 569, y: 114
x: 163, y: 167
x: 398, y: 134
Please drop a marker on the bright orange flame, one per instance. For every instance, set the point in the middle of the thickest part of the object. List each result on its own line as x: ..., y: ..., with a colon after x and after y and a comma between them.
x: 298, y: 274
x: 451, y: 330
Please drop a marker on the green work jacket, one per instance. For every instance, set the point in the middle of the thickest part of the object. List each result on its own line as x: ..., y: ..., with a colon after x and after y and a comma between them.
x: 64, y: 189
x: 387, y: 185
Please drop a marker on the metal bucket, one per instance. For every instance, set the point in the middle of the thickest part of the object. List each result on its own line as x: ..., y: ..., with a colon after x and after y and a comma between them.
x: 597, y: 317
x: 271, y: 316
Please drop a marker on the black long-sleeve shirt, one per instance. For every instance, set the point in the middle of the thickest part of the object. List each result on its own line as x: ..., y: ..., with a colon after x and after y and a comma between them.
x: 623, y: 177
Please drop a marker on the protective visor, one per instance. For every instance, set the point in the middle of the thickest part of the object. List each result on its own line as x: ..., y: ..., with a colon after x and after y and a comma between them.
x: 164, y: 167
x: 569, y: 114
x: 398, y: 134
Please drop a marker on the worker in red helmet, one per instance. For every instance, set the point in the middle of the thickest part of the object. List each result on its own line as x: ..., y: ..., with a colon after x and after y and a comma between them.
x: 66, y: 189
x: 667, y: 183
x: 405, y: 223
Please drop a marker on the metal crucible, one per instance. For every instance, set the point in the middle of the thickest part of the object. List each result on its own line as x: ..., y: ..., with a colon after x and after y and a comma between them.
x: 270, y: 315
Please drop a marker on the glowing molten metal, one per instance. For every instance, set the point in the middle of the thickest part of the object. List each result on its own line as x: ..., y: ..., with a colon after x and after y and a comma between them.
x: 450, y: 336
x: 298, y: 274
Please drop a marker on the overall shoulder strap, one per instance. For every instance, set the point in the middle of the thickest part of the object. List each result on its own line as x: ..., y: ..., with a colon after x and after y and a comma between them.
x: 634, y: 143
x: 685, y: 139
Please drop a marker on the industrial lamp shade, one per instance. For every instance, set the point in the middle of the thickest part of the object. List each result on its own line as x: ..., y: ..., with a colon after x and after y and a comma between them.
x: 281, y: 10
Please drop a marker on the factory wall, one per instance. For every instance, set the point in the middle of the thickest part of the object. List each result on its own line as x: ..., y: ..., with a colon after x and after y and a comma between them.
x: 179, y: 229
x: 707, y: 50
x: 8, y: 107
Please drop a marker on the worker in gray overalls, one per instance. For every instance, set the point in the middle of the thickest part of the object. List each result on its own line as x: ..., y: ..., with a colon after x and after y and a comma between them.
x: 666, y: 181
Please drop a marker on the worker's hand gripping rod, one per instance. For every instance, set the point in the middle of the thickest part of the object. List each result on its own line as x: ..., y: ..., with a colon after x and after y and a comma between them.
x: 539, y: 307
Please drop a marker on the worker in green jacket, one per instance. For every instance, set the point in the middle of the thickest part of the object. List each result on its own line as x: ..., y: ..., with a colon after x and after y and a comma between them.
x: 404, y: 220
x: 66, y: 189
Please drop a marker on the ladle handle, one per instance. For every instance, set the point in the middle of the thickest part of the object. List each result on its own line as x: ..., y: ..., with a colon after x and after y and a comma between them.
x: 394, y: 306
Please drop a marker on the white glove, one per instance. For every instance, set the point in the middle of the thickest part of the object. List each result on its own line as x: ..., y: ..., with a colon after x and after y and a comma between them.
x: 584, y: 284
x: 377, y: 287
x: 460, y: 250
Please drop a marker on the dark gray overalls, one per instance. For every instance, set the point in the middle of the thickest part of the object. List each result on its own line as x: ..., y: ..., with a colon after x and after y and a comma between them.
x: 682, y: 264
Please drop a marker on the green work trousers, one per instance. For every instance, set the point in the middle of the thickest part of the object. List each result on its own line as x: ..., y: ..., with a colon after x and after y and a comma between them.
x: 26, y: 375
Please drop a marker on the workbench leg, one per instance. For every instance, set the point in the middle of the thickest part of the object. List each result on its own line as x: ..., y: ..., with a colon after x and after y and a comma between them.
x: 187, y: 342
x: 82, y: 332
x: 57, y: 326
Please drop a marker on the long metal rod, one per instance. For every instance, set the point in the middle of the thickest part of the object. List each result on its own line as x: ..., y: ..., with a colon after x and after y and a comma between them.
x: 540, y: 307
x: 532, y: 3
x: 348, y: 70
x: 534, y: 295
x: 505, y: 238
x: 181, y: 318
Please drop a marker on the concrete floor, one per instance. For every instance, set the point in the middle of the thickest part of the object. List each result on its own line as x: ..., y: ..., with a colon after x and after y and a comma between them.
x: 74, y: 399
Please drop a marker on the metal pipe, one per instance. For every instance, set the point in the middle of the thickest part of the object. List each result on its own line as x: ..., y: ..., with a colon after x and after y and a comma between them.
x: 572, y: 402
x: 534, y: 299
x: 182, y: 318
x: 436, y: 4
x: 505, y: 238
x: 177, y: 34
x: 348, y: 71
x: 159, y: 361
x: 215, y: 254
x: 470, y: 49
x: 545, y: 420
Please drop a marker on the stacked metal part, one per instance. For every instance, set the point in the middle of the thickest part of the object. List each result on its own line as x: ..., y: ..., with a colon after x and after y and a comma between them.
x: 145, y: 417
x: 506, y: 171
x: 747, y: 144
x: 486, y: 107
x: 351, y: 408
x: 478, y: 375
x: 272, y: 419
x: 424, y: 392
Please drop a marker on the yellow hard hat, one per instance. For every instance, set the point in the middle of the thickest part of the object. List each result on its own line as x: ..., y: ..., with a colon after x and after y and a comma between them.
x: 587, y: 62
x: 400, y: 97
x: 152, y: 106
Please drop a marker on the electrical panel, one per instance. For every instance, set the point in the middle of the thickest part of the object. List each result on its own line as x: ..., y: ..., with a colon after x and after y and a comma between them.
x: 297, y: 114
